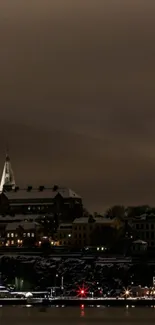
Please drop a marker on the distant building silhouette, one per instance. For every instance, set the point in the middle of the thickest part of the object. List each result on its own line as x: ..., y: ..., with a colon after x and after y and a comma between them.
x: 61, y: 202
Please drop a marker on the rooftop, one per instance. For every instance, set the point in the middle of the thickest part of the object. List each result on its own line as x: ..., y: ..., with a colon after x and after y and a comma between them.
x: 24, y: 224
x: 93, y: 220
x: 41, y: 193
x: 65, y: 226
x: 21, y: 217
x: 139, y: 241
x: 145, y: 216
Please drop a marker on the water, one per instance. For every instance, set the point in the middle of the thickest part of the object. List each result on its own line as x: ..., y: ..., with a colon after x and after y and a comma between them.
x: 76, y: 316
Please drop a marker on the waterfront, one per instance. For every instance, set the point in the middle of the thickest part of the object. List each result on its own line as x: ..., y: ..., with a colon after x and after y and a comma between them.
x: 76, y: 316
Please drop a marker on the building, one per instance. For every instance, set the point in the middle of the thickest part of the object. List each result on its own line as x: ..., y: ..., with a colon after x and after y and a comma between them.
x: 19, y: 233
x: 88, y: 231
x: 139, y: 247
x: 64, y: 234
x: 144, y: 228
x: 8, y: 180
x: 61, y: 202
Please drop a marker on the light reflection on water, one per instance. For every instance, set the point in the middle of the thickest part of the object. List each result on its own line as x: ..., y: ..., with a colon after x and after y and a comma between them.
x: 76, y: 316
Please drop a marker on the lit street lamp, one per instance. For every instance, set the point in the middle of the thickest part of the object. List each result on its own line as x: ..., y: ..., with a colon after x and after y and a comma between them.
x: 127, y: 293
x: 92, y: 294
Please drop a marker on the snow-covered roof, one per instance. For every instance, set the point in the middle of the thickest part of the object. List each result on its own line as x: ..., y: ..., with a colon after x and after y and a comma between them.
x: 141, y: 217
x: 138, y: 241
x: 24, y: 224
x: 95, y: 220
x: 65, y: 226
x: 145, y: 217
x: 46, y: 193
x: 21, y: 217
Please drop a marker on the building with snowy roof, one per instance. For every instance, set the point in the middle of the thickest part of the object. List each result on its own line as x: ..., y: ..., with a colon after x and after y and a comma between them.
x: 85, y: 229
x: 62, y: 202
x: 144, y: 229
x: 18, y: 232
x: 139, y: 247
x: 64, y: 234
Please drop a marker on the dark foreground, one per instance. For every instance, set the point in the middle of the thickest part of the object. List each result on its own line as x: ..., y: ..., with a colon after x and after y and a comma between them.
x: 76, y: 316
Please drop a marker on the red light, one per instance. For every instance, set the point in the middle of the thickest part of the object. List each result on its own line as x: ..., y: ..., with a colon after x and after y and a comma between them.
x: 82, y: 291
x: 82, y: 306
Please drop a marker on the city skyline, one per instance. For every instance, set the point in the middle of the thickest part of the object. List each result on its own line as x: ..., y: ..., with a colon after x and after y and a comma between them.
x: 78, y: 95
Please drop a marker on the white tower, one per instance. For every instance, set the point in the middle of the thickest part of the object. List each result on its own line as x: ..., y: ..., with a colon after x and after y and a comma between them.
x: 7, y: 181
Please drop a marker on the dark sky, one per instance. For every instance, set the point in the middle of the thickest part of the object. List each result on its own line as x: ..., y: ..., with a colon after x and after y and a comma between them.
x: 77, y: 96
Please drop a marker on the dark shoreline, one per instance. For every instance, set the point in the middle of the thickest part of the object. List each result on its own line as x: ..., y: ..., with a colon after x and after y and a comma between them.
x: 101, y: 302
x: 79, y: 302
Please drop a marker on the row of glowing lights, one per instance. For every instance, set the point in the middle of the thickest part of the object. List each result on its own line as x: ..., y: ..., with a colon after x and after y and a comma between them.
x: 83, y: 292
x: 127, y: 293
x: 20, y: 242
x: 82, y: 307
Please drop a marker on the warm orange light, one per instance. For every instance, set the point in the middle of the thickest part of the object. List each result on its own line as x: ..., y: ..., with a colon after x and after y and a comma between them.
x: 127, y: 292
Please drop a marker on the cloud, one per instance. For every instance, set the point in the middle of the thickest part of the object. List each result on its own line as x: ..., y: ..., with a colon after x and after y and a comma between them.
x: 78, y: 94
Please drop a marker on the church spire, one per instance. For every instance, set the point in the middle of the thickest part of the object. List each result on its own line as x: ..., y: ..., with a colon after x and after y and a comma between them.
x: 7, y: 181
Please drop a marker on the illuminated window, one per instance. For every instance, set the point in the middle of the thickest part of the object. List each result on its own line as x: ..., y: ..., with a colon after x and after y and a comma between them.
x: 28, y: 234
x: 8, y: 234
x: 32, y: 235
x: 24, y: 234
x: 12, y: 242
x: 12, y: 234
